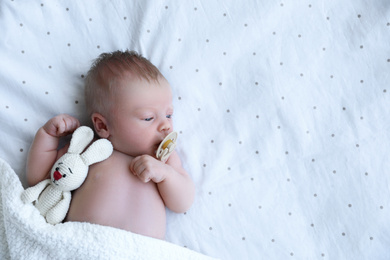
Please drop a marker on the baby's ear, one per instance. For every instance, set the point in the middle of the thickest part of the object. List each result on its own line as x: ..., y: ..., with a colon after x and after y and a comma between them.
x: 100, y: 125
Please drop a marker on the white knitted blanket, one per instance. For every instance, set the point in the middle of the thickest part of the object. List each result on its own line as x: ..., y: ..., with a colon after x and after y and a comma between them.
x: 24, y: 234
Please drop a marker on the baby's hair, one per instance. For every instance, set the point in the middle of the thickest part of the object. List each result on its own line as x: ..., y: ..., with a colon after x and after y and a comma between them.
x: 107, y: 69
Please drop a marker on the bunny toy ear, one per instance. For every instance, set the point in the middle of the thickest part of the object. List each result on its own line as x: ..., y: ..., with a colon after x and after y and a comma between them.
x: 80, y: 139
x: 97, y: 152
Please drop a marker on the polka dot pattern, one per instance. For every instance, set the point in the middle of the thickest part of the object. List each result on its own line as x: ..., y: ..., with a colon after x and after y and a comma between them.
x: 282, y: 110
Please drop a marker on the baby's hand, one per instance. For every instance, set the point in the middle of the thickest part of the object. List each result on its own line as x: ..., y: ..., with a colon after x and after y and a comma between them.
x: 61, y: 125
x: 147, y: 168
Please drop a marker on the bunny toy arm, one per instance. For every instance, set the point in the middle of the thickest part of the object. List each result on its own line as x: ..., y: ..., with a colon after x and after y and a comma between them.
x: 58, y: 213
x: 32, y: 193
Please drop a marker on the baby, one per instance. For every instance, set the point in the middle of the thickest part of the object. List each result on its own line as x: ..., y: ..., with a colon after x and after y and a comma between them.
x: 130, y: 104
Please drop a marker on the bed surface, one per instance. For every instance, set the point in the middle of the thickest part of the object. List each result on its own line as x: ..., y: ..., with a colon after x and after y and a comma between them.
x: 282, y: 109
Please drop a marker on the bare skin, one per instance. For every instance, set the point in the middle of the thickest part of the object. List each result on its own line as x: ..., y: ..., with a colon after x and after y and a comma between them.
x: 131, y: 189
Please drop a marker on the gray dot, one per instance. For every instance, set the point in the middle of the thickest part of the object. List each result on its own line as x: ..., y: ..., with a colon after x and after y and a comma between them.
x: 349, y: 205
x: 361, y: 46
x: 359, y: 16
x: 343, y: 234
x: 124, y: 18
x: 212, y: 141
x: 210, y: 228
x: 179, y: 98
x: 315, y: 195
x: 204, y: 165
x: 98, y: 46
x: 371, y: 238
x: 243, y: 238
x: 334, y: 172
x: 21, y: 150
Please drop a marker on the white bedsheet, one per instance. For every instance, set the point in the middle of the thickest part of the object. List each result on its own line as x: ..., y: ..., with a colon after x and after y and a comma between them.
x: 282, y: 109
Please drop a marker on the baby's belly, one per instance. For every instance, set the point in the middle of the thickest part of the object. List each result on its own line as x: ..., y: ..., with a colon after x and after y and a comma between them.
x: 118, y: 199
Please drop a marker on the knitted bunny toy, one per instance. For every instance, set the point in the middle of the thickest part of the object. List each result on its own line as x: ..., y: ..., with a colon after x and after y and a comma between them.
x: 52, y: 197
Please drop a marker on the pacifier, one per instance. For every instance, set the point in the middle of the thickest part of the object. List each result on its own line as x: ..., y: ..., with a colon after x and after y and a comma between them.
x: 166, y: 147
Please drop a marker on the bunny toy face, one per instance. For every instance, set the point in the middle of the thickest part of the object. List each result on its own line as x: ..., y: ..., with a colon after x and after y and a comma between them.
x: 69, y: 172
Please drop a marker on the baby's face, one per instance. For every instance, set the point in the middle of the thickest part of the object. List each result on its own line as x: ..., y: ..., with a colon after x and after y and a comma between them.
x: 141, y: 116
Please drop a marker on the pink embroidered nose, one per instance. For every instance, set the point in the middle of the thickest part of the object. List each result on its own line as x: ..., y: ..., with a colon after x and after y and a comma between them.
x: 57, y: 175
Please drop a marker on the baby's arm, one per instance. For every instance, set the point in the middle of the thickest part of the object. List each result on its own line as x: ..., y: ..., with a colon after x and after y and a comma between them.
x: 174, y: 184
x: 43, y: 152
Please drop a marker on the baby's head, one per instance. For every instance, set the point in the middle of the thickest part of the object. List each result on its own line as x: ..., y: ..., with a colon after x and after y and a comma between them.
x: 129, y: 101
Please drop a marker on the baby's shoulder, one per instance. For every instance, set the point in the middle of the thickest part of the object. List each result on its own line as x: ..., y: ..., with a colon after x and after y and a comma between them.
x: 117, y: 160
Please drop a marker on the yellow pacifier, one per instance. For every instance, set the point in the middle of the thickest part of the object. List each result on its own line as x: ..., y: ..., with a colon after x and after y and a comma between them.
x: 166, y: 147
